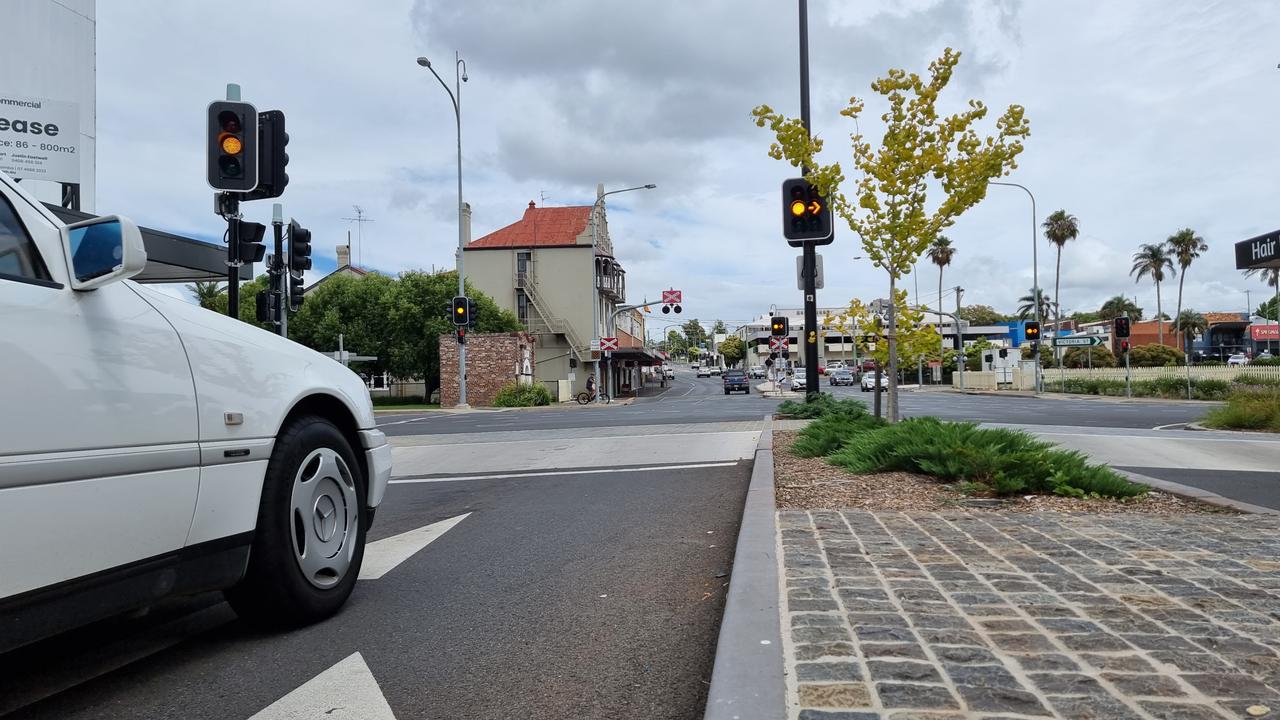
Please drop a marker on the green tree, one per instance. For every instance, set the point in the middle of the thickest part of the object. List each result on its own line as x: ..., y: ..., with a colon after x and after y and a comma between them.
x: 1079, y: 357
x: 1046, y: 354
x: 940, y: 253
x: 1120, y: 306
x: 1270, y: 276
x: 1190, y: 323
x: 920, y: 153
x: 1267, y: 309
x: 719, y: 329
x: 916, y: 339
x: 973, y: 353
x: 694, y: 333
x: 733, y: 350
x: 1059, y: 228
x: 1085, y: 317
x: 982, y: 315
x: 207, y: 294
x: 676, y: 343
x: 1153, y: 261
x: 1027, y: 310
x: 1185, y: 246
x: 248, y: 302
x: 353, y: 307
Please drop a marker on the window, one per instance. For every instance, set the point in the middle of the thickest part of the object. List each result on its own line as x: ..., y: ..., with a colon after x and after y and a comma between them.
x: 19, y: 258
x: 522, y: 307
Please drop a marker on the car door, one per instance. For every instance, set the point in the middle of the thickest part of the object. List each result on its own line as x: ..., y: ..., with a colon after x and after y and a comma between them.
x: 99, y: 464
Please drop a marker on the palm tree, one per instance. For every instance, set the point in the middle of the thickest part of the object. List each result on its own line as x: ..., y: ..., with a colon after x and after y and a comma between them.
x: 1270, y: 276
x: 207, y: 293
x: 1060, y: 227
x: 1028, y: 307
x: 1153, y: 261
x: 1120, y: 305
x: 1185, y: 246
x: 1190, y: 323
x: 940, y: 252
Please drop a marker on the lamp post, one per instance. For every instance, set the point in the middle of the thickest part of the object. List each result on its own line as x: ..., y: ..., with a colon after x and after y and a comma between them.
x: 595, y: 298
x: 1035, y: 269
x: 455, y: 96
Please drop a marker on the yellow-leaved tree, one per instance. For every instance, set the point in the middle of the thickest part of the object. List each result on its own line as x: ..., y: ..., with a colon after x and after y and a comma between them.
x: 915, y: 339
x: 921, y: 155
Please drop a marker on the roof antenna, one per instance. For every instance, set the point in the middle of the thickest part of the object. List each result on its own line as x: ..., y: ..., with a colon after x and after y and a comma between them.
x: 359, y: 220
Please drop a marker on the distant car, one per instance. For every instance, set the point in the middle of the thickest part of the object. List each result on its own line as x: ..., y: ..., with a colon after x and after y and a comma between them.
x: 735, y: 380
x: 1264, y: 355
x: 669, y: 372
x: 715, y: 370
x: 835, y: 365
x: 756, y: 371
x: 868, y: 365
x: 840, y: 376
x: 693, y: 366
x: 869, y: 382
x: 703, y: 371
x: 1238, y: 359
x: 798, y: 383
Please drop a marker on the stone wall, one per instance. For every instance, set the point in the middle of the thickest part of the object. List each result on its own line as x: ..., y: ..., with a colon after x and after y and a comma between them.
x: 494, y: 360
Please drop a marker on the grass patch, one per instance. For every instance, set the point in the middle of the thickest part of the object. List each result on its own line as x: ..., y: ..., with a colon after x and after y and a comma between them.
x: 1248, y: 409
x: 1004, y: 461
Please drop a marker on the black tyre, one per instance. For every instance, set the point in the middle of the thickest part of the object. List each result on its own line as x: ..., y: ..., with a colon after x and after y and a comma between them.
x: 583, y: 398
x: 309, y: 543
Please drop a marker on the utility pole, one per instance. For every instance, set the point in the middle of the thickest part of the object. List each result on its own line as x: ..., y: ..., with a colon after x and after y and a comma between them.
x: 962, y: 359
x: 809, y: 332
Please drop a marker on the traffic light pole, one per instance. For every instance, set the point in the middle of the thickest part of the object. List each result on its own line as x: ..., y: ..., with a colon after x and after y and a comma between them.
x: 229, y: 209
x: 809, y: 332
x: 278, y: 270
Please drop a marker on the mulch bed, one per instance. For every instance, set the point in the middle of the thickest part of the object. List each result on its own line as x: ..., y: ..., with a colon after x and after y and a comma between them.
x: 811, y: 484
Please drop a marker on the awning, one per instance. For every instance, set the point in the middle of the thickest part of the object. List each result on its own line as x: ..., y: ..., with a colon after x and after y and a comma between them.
x: 171, y: 258
x: 640, y: 355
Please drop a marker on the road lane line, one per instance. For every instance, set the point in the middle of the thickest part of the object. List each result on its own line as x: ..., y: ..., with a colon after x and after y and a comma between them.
x: 382, y: 556
x: 554, y: 473
x: 346, y: 691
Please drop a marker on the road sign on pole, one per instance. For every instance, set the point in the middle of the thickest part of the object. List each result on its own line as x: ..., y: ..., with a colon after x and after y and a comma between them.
x: 817, y: 281
x: 608, y: 343
x: 779, y: 343
x: 672, y: 296
x: 1077, y: 341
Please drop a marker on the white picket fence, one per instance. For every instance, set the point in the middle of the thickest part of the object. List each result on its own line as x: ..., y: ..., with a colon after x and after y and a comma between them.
x: 1026, y: 381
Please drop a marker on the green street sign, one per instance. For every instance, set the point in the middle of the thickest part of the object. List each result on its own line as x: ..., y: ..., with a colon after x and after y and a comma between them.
x: 1077, y: 341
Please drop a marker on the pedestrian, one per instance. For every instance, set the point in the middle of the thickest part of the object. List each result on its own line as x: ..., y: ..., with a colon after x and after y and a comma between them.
x: 591, y: 386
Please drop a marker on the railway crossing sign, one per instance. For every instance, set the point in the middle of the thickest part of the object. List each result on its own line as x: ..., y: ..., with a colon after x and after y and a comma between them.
x: 608, y: 343
x: 1077, y: 341
x: 779, y: 343
x: 672, y: 296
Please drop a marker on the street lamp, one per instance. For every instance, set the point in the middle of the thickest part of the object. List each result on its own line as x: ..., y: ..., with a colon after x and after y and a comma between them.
x: 1035, y: 271
x: 595, y: 299
x: 455, y: 96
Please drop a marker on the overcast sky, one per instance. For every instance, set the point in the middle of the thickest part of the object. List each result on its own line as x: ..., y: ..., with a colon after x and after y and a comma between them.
x: 1146, y: 117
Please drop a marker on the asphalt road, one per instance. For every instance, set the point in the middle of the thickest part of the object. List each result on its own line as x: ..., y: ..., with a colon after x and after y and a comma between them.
x: 583, y: 595
x: 702, y: 400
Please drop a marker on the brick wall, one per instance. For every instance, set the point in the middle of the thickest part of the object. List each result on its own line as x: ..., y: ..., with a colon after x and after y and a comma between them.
x: 494, y: 360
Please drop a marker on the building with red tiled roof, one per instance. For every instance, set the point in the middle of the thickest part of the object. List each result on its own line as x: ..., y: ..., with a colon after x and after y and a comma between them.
x: 543, y: 269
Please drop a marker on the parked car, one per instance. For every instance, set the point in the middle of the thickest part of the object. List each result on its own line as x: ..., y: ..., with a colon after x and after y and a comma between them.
x: 157, y: 448
x: 735, y: 380
x: 669, y: 372
x: 701, y: 372
x: 835, y: 365
x: 798, y: 382
x: 840, y: 376
x: 1238, y: 359
x: 693, y: 366
x: 868, y: 365
x: 869, y: 382
x: 756, y: 371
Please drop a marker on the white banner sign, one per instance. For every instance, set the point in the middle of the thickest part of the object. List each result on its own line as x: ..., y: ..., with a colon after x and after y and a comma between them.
x: 39, y: 139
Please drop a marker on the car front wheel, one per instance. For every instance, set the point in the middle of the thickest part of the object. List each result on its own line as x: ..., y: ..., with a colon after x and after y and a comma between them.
x: 309, y: 542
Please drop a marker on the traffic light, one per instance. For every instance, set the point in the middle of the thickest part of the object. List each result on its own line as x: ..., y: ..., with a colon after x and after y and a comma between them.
x: 250, y: 234
x: 779, y: 326
x: 462, y: 335
x: 299, y: 247
x: 1033, y: 331
x: 1124, y: 347
x: 1121, y: 326
x: 666, y: 309
x: 806, y: 216
x: 472, y: 316
x: 461, y: 313
x: 295, y: 292
x: 272, y: 158
x: 1004, y: 352
x: 232, y: 150
x: 266, y: 306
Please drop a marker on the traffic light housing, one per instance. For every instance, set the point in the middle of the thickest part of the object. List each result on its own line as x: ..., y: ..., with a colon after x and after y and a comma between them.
x: 806, y: 215
x: 272, y: 158
x: 461, y: 312
x: 1004, y: 352
x: 670, y: 307
x: 249, y: 235
x: 1121, y: 326
x: 462, y: 335
x: 295, y: 292
x: 779, y: 326
x: 266, y: 306
x: 1033, y: 331
x: 232, y: 146
x: 1124, y: 347
x: 299, y: 247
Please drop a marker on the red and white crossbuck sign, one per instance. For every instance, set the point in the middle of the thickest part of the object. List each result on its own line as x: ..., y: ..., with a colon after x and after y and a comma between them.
x: 671, y: 296
x: 608, y: 343
x: 779, y: 343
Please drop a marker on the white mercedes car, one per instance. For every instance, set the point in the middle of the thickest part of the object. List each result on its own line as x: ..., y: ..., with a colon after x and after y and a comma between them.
x: 150, y: 447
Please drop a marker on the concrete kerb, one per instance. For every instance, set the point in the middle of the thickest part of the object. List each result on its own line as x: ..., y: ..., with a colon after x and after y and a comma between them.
x: 747, y: 680
x: 1195, y: 493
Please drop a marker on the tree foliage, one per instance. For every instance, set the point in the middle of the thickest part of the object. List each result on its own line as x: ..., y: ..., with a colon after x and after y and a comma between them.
x: 1154, y: 355
x: 1120, y: 305
x: 1037, y: 296
x: 982, y: 315
x: 694, y: 333
x: 916, y: 339
x: 248, y: 302
x: 207, y: 293
x: 733, y: 350
x: 718, y: 328
x: 1079, y: 357
x: 920, y: 151
x: 1267, y: 309
x: 676, y: 343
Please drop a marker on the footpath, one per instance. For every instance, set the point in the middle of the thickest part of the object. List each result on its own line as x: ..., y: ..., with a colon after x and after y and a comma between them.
x: 859, y: 614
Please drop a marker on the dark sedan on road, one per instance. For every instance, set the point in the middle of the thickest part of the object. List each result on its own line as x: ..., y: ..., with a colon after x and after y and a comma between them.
x: 736, y: 380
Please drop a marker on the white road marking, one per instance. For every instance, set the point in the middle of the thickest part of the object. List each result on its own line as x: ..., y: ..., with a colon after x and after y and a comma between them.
x: 508, y: 476
x: 382, y: 556
x: 346, y: 691
x: 1170, y: 425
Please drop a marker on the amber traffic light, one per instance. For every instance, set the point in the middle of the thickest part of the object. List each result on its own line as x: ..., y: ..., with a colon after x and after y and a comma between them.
x: 1033, y: 331
x: 232, y: 146
x: 779, y: 326
x: 806, y: 216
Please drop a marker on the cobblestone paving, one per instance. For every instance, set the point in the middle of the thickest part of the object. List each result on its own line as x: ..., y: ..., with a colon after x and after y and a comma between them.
x: 942, y: 616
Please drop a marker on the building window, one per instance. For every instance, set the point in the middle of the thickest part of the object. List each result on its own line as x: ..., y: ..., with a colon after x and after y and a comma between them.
x: 522, y: 307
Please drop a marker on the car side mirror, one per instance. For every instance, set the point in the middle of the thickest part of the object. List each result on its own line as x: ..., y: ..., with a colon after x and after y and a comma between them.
x: 103, y: 250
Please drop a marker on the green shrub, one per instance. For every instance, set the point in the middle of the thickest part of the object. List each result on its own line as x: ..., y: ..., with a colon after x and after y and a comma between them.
x: 1257, y: 380
x: 1248, y: 409
x: 1265, y: 361
x: 1155, y: 355
x: 820, y: 404
x: 1078, y: 357
x: 1174, y: 388
x: 523, y: 395
x: 826, y: 434
x: 1007, y: 461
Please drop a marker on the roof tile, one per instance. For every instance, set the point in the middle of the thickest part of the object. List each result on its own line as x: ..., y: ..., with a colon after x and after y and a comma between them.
x: 540, y: 227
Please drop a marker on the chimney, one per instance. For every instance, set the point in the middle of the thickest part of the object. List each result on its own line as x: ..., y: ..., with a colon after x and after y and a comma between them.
x: 344, y: 255
x: 466, y: 223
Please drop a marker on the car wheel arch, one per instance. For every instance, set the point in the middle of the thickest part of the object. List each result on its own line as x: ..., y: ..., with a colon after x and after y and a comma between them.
x: 334, y: 410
